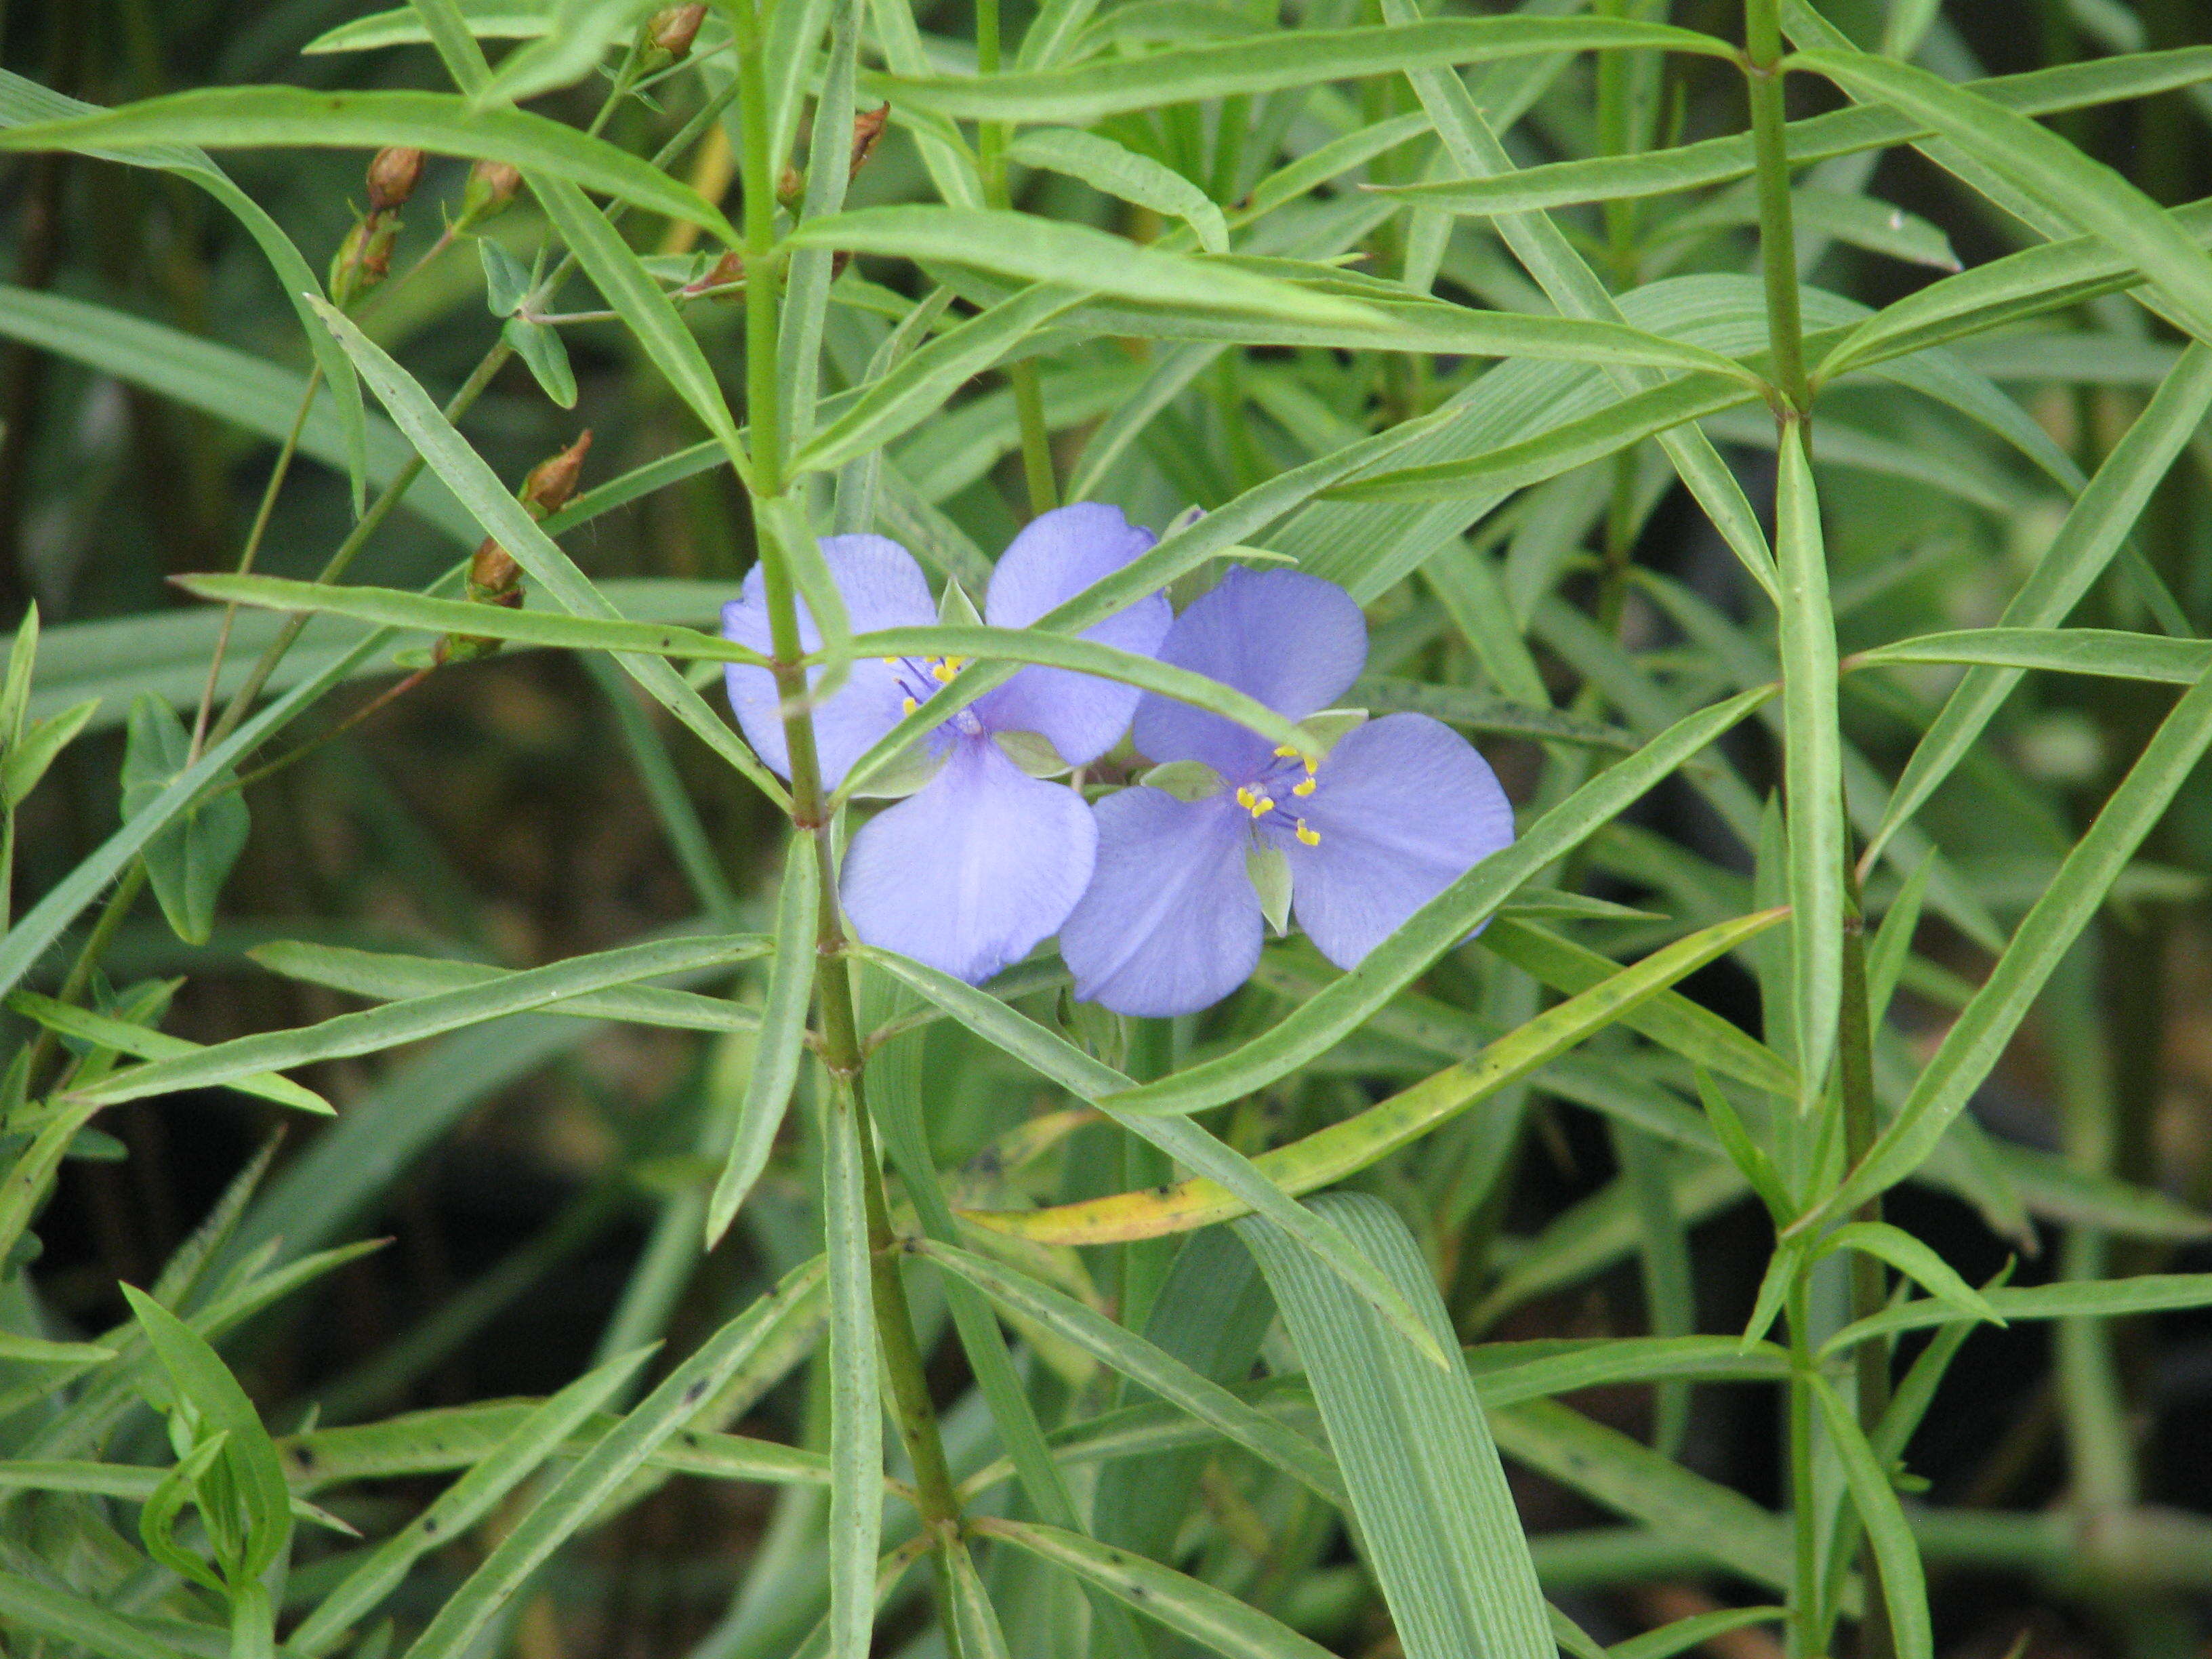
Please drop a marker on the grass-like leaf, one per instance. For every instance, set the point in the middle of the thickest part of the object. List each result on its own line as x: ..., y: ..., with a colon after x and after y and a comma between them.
x: 1820, y: 138
x: 1269, y: 61
x: 387, y: 977
x: 2095, y: 531
x: 416, y: 1018
x: 252, y: 118
x: 1146, y: 1364
x: 1974, y: 1043
x: 1074, y: 257
x: 1439, y: 1529
x: 781, y: 1045
x: 1328, y: 1155
x: 1811, y: 767
x: 2093, y: 196
x: 1190, y: 1607
x: 577, y: 1497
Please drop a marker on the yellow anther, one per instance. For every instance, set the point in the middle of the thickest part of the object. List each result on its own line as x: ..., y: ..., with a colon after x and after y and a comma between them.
x: 1309, y: 837
x: 908, y: 705
x: 943, y: 672
x: 1287, y: 751
x: 1245, y: 798
x: 1304, y: 788
x: 891, y: 662
x: 1261, y: 806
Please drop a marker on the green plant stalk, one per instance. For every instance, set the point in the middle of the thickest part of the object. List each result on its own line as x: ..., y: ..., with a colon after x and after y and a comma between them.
x: 1806, y: 1640
x: 1615, y: 139
x: 1778, y: 241
x: 1868, y: 1291
x: 842, y: 1054
x: 1038, y: 474
x: 1793, y: 402
x: 2093, y: 1404
x: 95, y: 945
x: 245, y: 557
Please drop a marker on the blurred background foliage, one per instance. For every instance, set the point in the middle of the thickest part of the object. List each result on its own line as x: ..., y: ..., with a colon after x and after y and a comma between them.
x: 538, y: 1181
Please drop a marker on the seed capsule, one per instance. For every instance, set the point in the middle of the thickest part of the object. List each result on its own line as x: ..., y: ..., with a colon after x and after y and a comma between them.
x: 491, y: 186
x: 393, y: 175
x: 673, y: 28
x: 553, y: 481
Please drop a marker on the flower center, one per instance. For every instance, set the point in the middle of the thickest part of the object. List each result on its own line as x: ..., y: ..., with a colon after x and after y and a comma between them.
x: 1288, y: 776
x: 920, y: 678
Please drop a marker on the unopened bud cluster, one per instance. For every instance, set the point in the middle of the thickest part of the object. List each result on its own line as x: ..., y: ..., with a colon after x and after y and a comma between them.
x: 494, y: 576
x: 364, y: 258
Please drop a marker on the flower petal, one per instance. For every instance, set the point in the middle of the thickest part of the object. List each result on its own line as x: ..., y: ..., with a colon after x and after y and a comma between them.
x: 973, y: 872
x: 1294, y: 642
x: 1404, y: 807
x: 883, y: 587
x: 1058, y: 555
x: 1170, y: 922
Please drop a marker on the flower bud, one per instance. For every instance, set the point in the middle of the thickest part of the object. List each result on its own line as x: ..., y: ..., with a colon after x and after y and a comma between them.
x: 790, y: 187
x: 494, y: 576
x: 491, y: 186
x: 867, y: 128
x: 552, y: 483
x: 673, y: 28
x: 364, y: 259
x: 393, y: 175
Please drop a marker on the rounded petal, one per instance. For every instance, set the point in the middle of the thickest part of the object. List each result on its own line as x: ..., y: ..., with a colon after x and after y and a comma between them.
x: 975, y: 870
x: 1404, y: 807
x: 1058, y: 555
x: 883, y: 587
x: 1292, y: 640
x: 1170, y: 923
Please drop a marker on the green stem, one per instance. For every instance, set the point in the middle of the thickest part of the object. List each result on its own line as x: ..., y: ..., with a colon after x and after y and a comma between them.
x: 1805, y: 1588
x: 1793, y: 401
x: 1038, y: 473
x: 87, y: 959
x: 1868, y: 1291
x: 1778, y: 241
x: 842, y: 1054
x: 245, y: 557
x: 1037, y: 470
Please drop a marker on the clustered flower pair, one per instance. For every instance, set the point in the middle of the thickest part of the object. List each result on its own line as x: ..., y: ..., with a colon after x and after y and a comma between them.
x: 1152, y: 890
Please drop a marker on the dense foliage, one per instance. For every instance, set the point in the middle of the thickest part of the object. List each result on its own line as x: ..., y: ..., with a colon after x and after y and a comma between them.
x: 568, y: 690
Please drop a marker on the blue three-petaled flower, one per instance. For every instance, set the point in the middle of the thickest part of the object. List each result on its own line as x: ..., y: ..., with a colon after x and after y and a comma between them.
x: 1152, y: 891
x: 983, y: 863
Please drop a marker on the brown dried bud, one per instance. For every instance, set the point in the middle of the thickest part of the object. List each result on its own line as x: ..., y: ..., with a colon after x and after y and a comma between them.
x: 868, y: 127
x: 673, y: 28
x: 393, y: 175
x: 552, y: 483
x: 491, y: 186
x: 494, y: 576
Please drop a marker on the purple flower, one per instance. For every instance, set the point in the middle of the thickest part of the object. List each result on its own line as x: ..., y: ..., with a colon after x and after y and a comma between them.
x: 983, y: 861
x: 1400, y: 809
